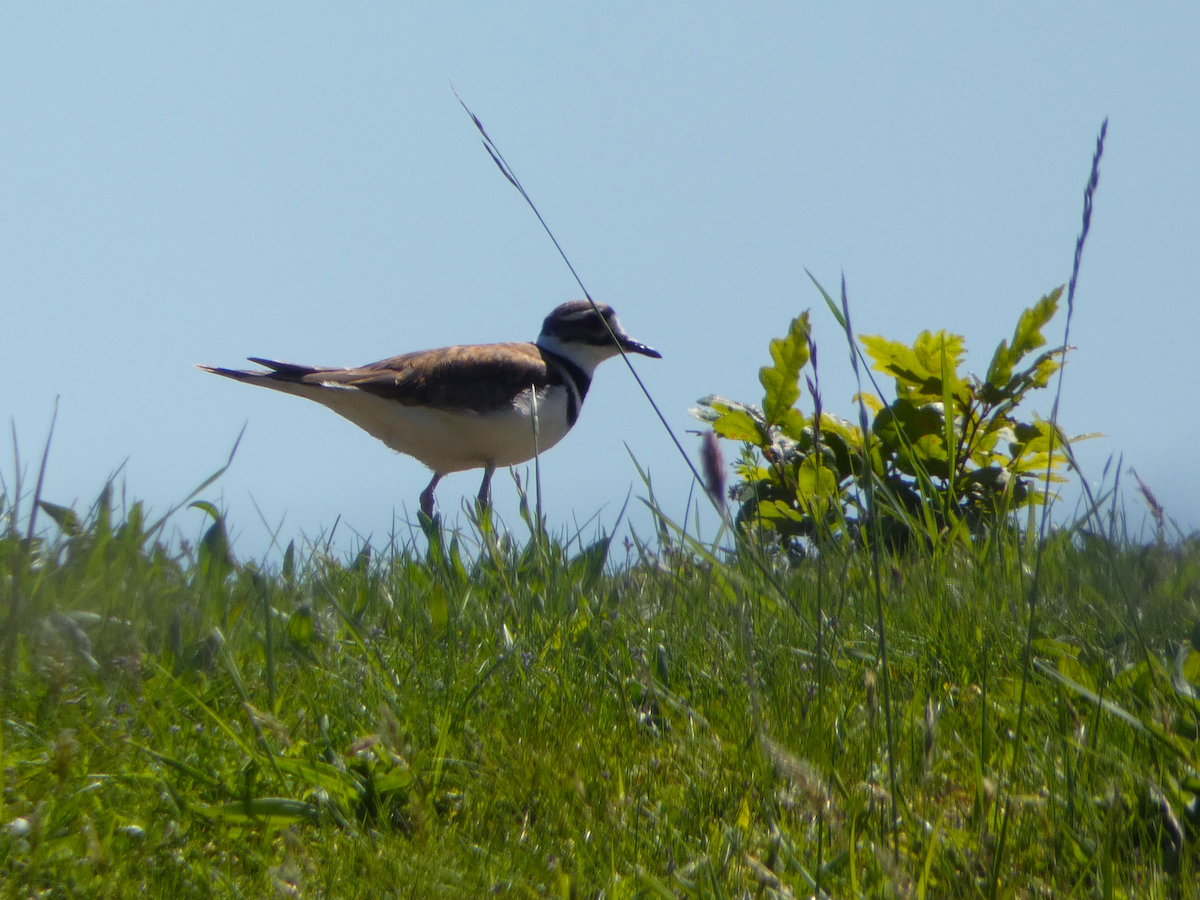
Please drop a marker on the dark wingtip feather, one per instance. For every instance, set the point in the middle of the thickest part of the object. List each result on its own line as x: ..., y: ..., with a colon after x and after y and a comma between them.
x: 283, y: 370
x: 237, y: 375
x: 228, y: 373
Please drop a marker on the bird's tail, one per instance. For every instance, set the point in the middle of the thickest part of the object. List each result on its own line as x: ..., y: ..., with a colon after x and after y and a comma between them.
x: 289, y: 373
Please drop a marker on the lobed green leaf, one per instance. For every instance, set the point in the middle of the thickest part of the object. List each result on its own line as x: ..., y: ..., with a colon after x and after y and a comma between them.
x: 781, y: 381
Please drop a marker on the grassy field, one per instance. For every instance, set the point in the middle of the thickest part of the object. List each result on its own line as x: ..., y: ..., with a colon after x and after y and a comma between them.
x: 484, y: 713
x: 490, y: 710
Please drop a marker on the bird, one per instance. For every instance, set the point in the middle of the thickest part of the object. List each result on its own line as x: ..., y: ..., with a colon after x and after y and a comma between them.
x: 470, y: 406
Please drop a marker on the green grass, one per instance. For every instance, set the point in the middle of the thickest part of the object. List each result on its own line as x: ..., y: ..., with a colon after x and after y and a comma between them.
x: 473, y: 712
x: 497, y: 716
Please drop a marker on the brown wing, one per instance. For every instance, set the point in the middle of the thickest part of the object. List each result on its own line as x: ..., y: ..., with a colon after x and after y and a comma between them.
x: 480, y: 377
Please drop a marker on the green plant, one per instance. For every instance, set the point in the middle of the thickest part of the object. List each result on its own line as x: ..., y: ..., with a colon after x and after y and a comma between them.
x: 524, y: 716
x: 949, y: 455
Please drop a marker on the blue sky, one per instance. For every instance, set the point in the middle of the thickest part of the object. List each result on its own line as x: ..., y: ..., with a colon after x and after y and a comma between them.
x: 186, y: 184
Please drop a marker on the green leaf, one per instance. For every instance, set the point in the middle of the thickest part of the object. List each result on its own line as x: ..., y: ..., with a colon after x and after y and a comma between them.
x: 816, y: 487
x: 1038, y: 375
x: 781, y: 381
x: 1027, y: 337
x: 205, y: 506
x: 733, y: 420
x: 1000, y: 371
x: 717, y: 404
x: 588, y: 566
x: 64, y: 517
x: 1187, y: 668
x: 795, y: 426
x: 300, y: 627
x: 1191, y: 667
x: 896, y: 359
x: 917, y: 421
x: 1077, y: 672
x: 289, y: 563
x: 929, y: 347
x: 653, y: 885
x: 215, y: 557
x: 833, y: 307
x: 395, y: 779
x: 342, y: 786
x: 846, y: 443
x: 778, y: 510
x: 270, y: 812
x: 814, y: 480
x: 1031, y: 450
x: 1149, y: 727
x: 918, y: 369
x: 438, y: 611
x: 737, y: 425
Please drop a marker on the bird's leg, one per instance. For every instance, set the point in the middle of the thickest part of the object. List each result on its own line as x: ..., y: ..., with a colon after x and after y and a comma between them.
x: 427, y: 495
x: 485, y: 488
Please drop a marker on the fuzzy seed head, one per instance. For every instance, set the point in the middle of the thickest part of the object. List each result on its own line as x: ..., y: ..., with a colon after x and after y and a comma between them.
x: 712, y: 463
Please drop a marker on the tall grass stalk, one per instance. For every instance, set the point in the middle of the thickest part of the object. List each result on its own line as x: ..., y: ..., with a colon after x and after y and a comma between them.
x: 1043, y: 527
x: 874, y: 542
x: 506, y: 170
x: 21, y: 566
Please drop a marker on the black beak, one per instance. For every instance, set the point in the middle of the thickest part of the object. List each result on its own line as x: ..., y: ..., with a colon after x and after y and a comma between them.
x: 631, y: 346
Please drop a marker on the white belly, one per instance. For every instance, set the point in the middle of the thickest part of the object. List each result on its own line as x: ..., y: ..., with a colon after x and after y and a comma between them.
x: 451, y: 441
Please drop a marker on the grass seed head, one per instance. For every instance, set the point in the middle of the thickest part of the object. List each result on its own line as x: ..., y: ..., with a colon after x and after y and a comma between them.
x: 801, y: 773
x: 712, y: 463
x: 1156, y: 508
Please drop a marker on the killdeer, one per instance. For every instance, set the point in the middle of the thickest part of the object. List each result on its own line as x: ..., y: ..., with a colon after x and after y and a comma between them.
x: 466, y: 407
